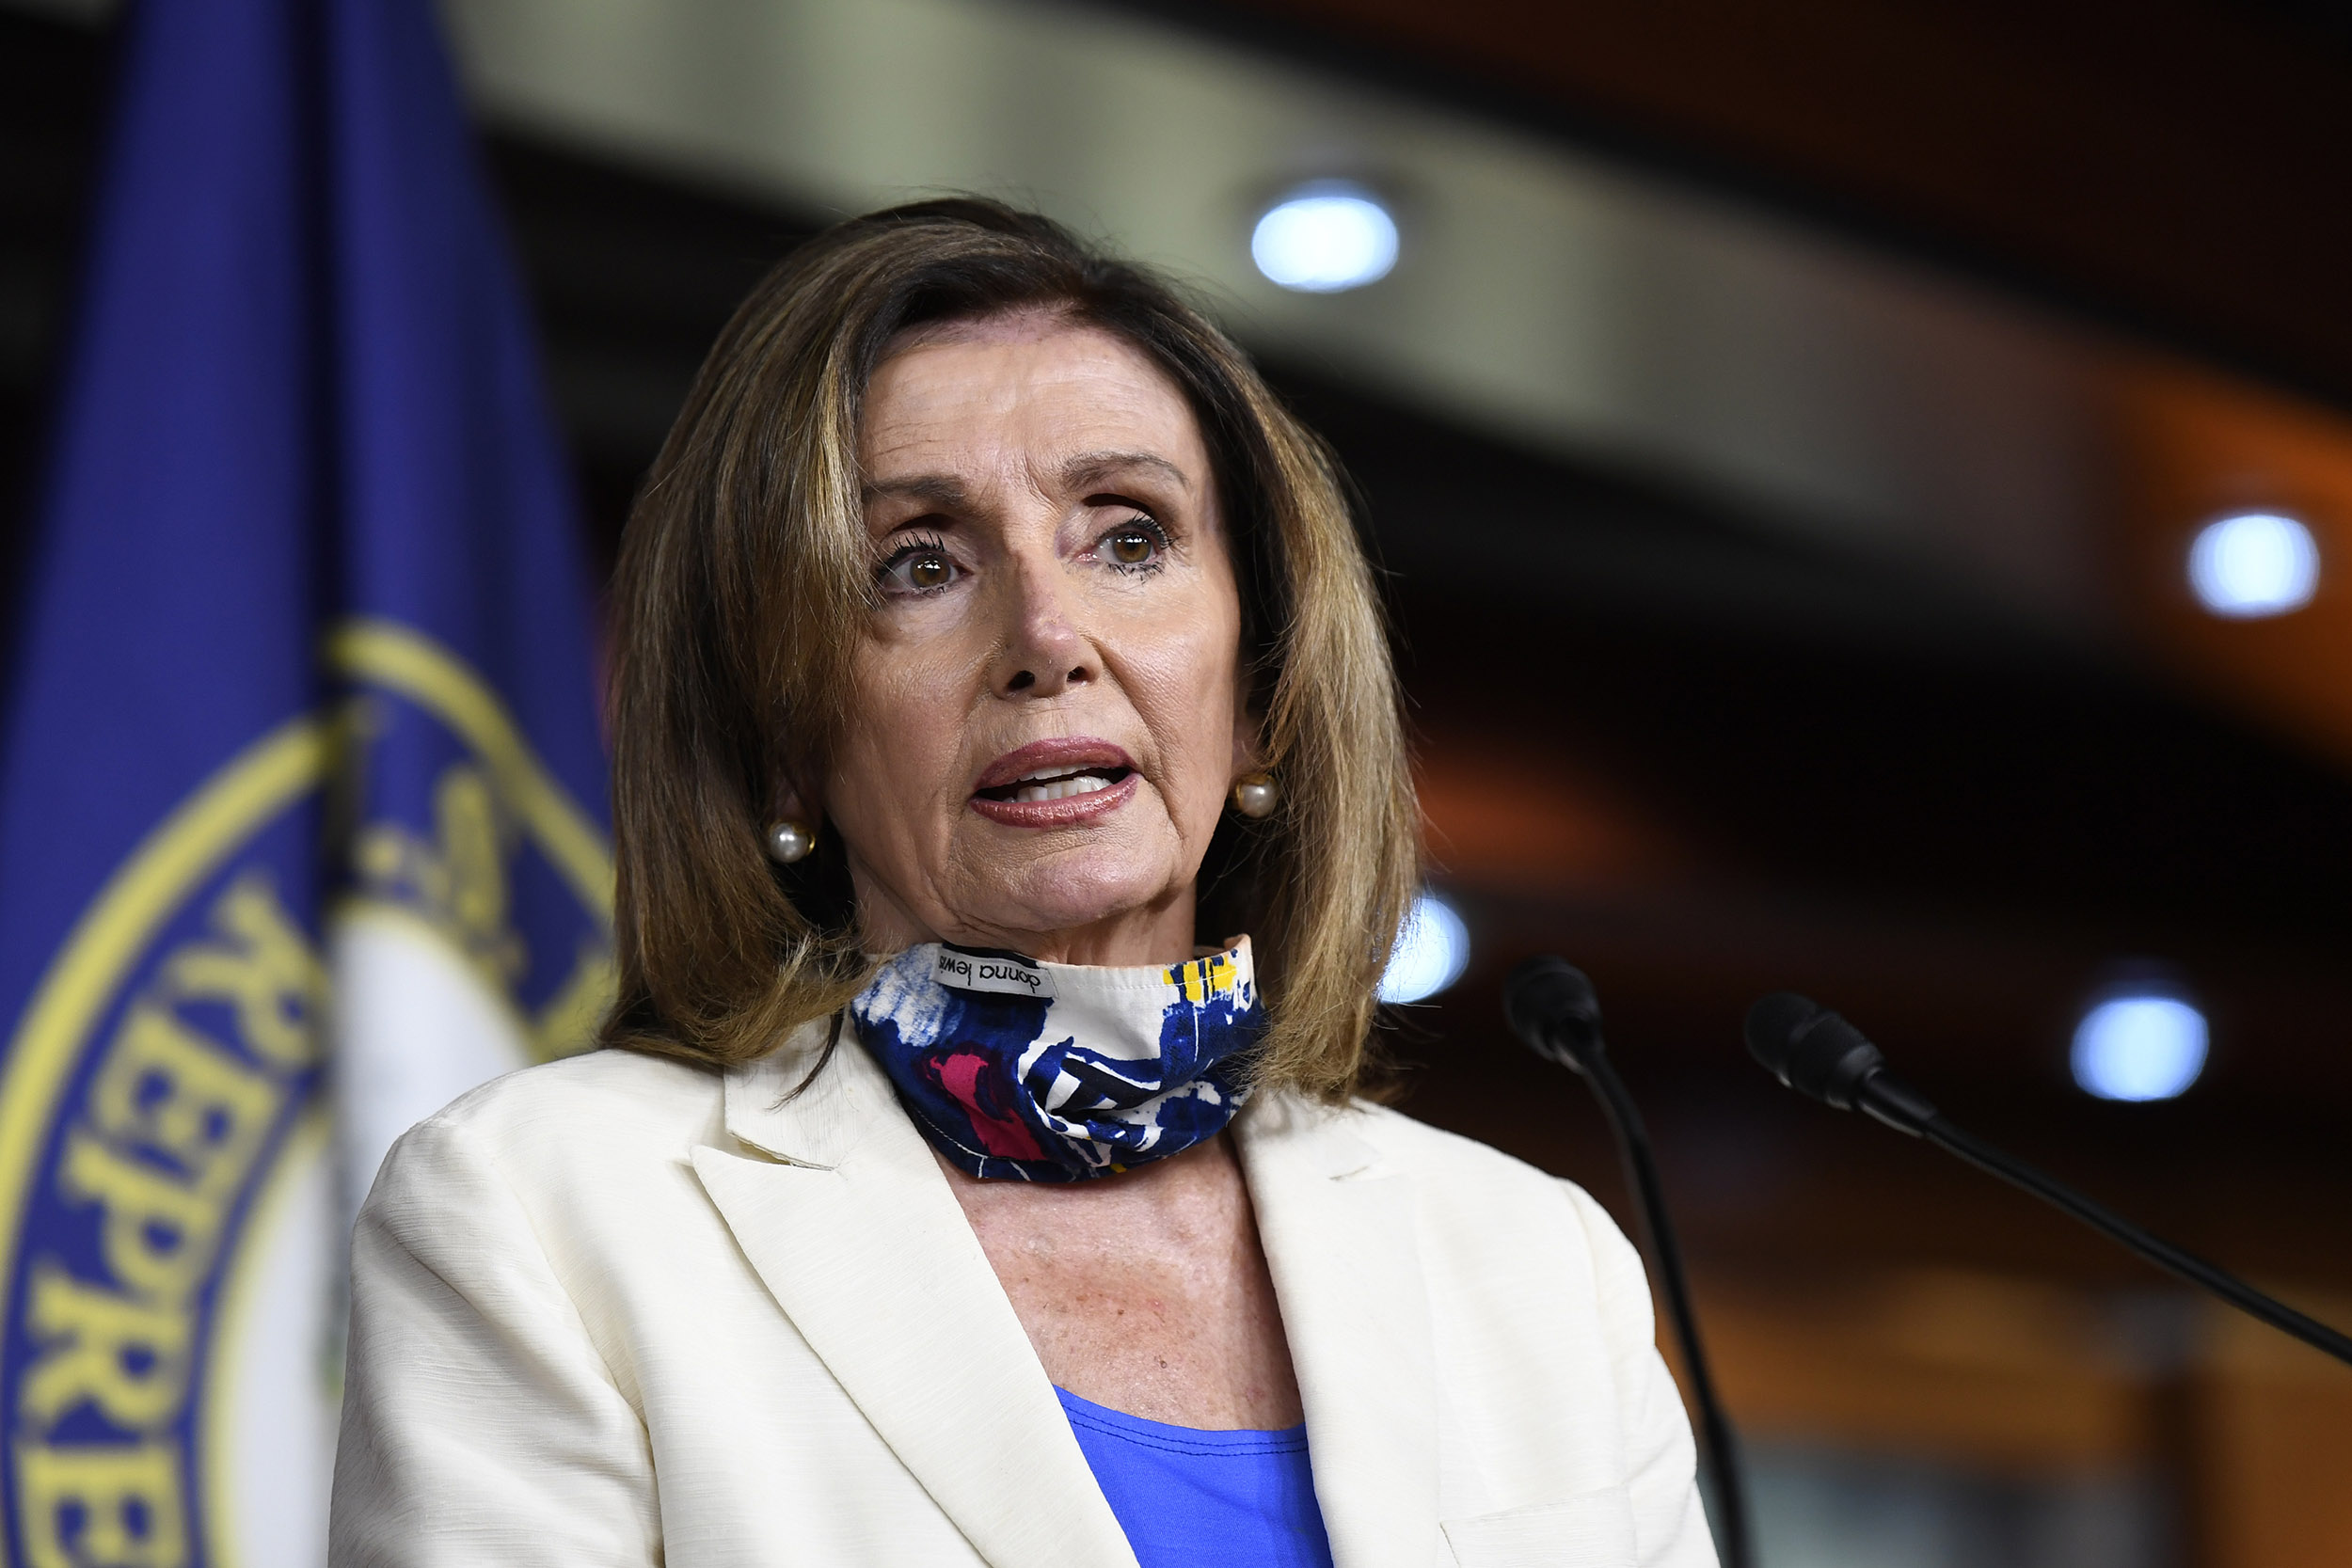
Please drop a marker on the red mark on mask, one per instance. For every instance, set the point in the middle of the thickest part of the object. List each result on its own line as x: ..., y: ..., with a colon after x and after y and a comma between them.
x: 959, y: 1073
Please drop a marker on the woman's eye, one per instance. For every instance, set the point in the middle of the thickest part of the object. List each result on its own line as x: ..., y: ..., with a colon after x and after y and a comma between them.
x: 1136, y: 544
x: 921, y: 571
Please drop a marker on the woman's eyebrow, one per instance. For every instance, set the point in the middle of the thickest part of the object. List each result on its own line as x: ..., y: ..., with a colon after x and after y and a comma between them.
x: 1089, y: 468
x: 937, y: 490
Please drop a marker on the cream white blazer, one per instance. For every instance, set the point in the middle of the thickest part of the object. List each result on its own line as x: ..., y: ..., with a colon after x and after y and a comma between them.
x: 619, y: 1310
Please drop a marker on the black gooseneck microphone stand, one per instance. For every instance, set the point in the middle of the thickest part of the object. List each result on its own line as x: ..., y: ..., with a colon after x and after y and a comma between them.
x: 1821, y: 1055
x: 1554, y: 1009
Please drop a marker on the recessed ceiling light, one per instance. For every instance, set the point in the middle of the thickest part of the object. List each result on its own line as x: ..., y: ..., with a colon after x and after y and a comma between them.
x: 2254, y: 563
x: 1325, y: 238
x: 2144, y: 1046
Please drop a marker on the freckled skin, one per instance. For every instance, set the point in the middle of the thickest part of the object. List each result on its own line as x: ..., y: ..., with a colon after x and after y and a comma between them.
x: 1008, y: 463
x: 1146, y: 1292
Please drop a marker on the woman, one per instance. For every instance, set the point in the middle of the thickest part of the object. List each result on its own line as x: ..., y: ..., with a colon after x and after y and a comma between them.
x: 988, y: 635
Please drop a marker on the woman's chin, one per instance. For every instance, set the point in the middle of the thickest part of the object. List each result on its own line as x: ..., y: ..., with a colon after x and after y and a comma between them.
x: 1064, y: 901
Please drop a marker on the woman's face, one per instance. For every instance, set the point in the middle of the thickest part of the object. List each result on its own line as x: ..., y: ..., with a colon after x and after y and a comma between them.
x: 1048, y: 708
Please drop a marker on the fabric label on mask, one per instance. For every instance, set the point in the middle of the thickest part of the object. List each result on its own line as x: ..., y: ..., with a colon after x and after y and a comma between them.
x: 996, y: 973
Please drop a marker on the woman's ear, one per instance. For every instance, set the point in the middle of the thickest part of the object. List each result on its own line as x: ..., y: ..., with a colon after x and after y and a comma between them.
x: 1249, y: 738
x: 1249, y: 724
x: 789, y: 804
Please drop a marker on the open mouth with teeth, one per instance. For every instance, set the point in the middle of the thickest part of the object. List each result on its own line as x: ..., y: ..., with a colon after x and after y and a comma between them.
x: 1054, y: 784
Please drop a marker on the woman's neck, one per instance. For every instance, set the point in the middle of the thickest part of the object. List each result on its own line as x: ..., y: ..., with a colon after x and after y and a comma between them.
x: 1162, y: 932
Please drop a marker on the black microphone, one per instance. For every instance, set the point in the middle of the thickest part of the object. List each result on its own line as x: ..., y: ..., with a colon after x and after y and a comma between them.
x: 1552, y: 1007
x: 1821, y: 1055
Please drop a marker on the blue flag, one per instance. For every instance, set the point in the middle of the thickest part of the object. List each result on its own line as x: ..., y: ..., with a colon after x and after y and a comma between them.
x: 301, y: 800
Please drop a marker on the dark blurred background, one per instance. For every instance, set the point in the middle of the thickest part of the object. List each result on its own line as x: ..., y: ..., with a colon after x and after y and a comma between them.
x: 1950, y: 745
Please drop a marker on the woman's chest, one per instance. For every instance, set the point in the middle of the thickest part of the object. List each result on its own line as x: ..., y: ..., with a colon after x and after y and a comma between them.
x: 1154, y: 1299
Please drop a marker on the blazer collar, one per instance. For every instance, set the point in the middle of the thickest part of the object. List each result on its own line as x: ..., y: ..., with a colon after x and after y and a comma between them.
x: 842, y: 1210
x: 1336, y: 1220
x: 797, y: 1106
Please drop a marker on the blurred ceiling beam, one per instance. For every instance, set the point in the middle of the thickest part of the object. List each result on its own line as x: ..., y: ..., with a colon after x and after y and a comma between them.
x: 1812, y: 387
x: 2177, y: 164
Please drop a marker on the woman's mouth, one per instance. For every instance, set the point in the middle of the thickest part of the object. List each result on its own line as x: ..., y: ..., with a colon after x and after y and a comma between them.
x: 1055, y: 783
x: 1048, y: 784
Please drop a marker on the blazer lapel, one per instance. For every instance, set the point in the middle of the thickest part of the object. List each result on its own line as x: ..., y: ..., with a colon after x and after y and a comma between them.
x: 1338, y: 1232
x: 837, y: 1201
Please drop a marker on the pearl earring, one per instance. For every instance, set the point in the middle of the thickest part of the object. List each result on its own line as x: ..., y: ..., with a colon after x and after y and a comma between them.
x: 1254, y: 795
x: 789, y: 841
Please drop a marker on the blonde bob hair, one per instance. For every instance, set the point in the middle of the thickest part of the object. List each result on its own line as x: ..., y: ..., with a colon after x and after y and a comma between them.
x: 746, y: 579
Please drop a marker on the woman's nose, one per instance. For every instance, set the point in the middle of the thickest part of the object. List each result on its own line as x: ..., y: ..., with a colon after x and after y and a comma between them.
x: 1043, y: 651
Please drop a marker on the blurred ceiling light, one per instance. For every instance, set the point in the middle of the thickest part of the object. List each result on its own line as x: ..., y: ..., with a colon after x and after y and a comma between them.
x: 2254, y: 563
x: 2140, y: 1047
x: 1325, y: 238
x: 1431, y: 952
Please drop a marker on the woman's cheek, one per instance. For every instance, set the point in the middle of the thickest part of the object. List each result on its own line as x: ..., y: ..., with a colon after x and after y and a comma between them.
x: 1194, y: 726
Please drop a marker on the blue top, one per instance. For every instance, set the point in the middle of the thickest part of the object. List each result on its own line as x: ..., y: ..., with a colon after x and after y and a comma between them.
x: 1188, y: 1497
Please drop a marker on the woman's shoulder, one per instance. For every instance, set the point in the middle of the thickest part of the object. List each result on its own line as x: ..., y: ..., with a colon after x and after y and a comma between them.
x: 1483, y: 1210
x: 1448, y: 1162
x: 604, y: 1092
x: 1464, y: 1169
x: 1475, y: 1202
x: 1450, y: 1170
x: 588, y: 1117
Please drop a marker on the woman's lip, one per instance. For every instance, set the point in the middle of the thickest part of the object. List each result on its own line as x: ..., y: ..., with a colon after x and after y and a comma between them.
x: 1067, y: 755
x: 1068, y: 811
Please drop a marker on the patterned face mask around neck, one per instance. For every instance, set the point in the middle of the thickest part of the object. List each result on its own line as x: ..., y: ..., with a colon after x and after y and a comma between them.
x: 1059, y: 1072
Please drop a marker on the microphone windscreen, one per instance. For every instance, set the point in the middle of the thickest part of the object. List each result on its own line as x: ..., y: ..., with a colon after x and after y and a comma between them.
x: 1809, y: 1048
x: 1774, y: 1024
x: 1552, y: 1006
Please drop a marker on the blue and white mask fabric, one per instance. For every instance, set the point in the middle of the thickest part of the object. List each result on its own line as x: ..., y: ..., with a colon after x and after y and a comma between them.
x: 1059, y: 1072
